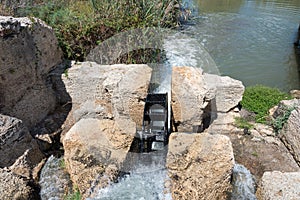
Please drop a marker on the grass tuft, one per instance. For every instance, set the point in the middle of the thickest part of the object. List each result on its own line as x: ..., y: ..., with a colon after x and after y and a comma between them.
x: 260, y: 99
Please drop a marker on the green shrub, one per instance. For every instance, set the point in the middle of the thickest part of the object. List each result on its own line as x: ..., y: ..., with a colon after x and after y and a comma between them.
x: 81, y: 25
x: 260, y: 99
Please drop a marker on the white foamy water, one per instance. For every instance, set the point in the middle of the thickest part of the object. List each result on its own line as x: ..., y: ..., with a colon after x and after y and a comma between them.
x: 144, y: 183
x: 243, y: 184
x: 54, y: 180
x: 183, y: 50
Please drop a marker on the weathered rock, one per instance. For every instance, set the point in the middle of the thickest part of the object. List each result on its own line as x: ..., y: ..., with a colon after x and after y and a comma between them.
x: 259, y: 151
x: 13, y: 187
x: 229, y: 92
x: 17, y: 145
x: 29, y: 51
x: 92, y: 145
x: 279, y: 186
x: 290, y: 134
x: 295, y: 94
x: 197, y: 97
x: 199, y: 165
x: 190, y: 97
x: 106, y: 92
x: 284, y: 106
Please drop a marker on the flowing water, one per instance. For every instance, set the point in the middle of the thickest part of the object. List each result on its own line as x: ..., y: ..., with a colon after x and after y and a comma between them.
x: 250, y: 40
x: 243, y: 184
x: 145, y: 179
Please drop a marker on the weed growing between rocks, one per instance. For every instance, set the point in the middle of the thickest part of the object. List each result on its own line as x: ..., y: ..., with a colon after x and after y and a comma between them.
x: 260, y: 99
x: 82, y: 25
x: 243, y: 123
x: 74, y: 195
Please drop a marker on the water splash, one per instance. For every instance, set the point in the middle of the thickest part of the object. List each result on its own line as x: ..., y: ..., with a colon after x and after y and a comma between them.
x: 244, y: 186
x: 139, y: 185
x: 54, y: 181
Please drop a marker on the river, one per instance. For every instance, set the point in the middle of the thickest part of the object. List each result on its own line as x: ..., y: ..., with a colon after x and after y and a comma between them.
x: 250, y: 40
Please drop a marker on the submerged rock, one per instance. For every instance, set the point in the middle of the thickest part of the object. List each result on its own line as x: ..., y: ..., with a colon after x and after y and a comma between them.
x: 199, y: 166
x: 279, y: 186
x: 29, y: 51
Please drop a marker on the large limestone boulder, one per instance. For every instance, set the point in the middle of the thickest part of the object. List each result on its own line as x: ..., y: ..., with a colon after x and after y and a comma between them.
x: 29, y: 51
x: 13, y: 187
x: 106, y: 91
x: 290, y: 136
x: 229, y: 92
x: 95, y: 148
x: 18, y: 149
x: 190, y: 97
x: 279, y: 186
x: 199, y: 165
x: 198, y: 97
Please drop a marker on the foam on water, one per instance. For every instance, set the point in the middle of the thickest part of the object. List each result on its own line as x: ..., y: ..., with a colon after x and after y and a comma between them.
x: 244, y: 186
x: 145, y: 185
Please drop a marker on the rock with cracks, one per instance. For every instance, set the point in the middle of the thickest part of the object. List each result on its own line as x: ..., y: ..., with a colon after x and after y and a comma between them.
x: 95, y: 149
x: 190, y: 97
x: 106, y: 91
x: 229, y: 92
x: 199, y: 165
x: 198, y: 97
x: 29, y: 51
x: 279, y: 186
x: 13, y: 187
x: 290, y: 136
x: 18, y: 149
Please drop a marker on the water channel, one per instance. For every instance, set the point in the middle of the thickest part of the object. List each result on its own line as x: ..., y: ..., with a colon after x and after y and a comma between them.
x: 250, y: 40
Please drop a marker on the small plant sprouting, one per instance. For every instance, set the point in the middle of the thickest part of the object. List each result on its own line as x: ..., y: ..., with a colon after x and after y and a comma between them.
x: 62, y: 163
x: 12, y: 71
x: 66, y: 73
x: 254, y: 153
x: 74, y: 195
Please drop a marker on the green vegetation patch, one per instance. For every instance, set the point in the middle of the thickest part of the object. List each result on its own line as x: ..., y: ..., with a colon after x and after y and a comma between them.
x: 260, y: 99
x: 80, y: 25
x: 243, y: 123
